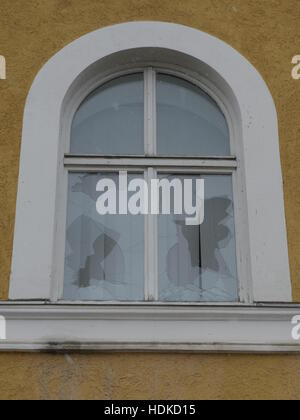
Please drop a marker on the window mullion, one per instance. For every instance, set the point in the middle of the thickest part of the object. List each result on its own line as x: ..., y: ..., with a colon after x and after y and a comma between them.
x: 151, y: 244
x: 150, y: 112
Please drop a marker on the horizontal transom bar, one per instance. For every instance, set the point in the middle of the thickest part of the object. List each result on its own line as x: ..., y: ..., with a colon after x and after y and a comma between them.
x: 226, y: 163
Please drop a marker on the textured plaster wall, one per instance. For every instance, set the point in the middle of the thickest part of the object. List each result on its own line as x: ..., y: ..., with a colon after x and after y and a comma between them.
x: 267, y: 33
x: 149, y: 376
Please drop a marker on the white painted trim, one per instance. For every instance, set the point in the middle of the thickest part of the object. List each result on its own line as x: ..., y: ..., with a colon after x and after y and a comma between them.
x: 150, y: 112
x: 2, y: 67
x: 255, y: 130
x: 151, y: 246
x: 167, y: 163
x: 263, y: 329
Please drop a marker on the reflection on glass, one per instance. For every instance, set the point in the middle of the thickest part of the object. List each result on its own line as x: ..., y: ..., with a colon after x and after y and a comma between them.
x: 111, y: 119
x: 104, y: 254
x: 198, y: 263
x: 189, y: 122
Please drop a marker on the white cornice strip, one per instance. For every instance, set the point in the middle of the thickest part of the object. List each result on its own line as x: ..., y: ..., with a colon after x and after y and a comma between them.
x: 45, y: 327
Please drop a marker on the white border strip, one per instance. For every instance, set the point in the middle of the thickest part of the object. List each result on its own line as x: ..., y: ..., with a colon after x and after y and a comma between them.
x: 262, y: 329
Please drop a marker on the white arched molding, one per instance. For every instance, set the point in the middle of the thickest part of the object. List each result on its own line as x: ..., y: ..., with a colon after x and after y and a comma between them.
x: 72, y: 72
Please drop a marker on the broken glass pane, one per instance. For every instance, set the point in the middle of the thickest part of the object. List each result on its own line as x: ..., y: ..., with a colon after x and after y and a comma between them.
x: 198, y: 263
x: 104, y: 253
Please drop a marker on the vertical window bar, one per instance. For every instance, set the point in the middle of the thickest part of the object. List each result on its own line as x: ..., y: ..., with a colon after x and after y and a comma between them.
x: 200, y: 259
x: 150, y: 112
x: 151, y: 265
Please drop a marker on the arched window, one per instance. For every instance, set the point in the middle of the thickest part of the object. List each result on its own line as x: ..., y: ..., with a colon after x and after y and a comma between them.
x: 142, y: 104
x: 150, y: 257
x: 154, y: 106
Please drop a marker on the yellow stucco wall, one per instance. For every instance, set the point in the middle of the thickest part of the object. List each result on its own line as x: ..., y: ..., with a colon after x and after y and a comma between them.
x: 267, y: 33
x: 149, y: 376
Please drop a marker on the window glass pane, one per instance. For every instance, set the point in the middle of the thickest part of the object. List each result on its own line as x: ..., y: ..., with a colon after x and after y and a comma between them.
x: 198, y: 263
x: 111, y: 120
x: 189, y: 122
x: 104, y: 254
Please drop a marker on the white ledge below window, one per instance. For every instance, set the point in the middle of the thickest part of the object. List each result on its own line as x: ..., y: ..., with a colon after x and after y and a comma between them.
x: 75, y: 327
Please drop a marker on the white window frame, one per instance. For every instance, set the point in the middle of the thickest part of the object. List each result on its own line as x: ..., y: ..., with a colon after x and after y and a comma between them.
x: 150, y: 165
x: 248, y: 105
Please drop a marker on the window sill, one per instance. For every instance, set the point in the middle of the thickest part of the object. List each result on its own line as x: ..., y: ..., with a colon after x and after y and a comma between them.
x: 76, y: 327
